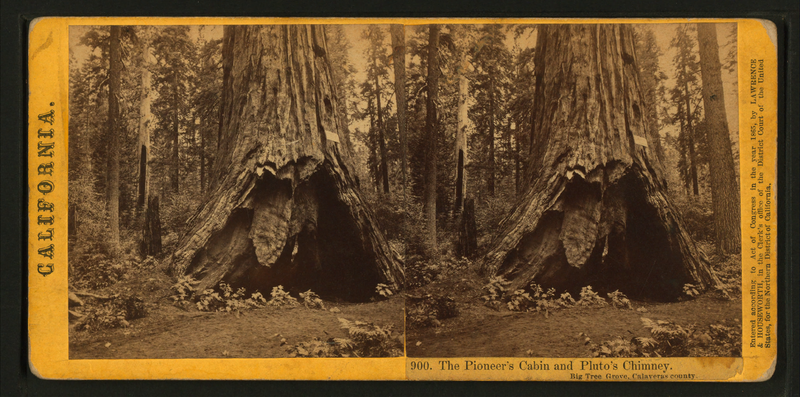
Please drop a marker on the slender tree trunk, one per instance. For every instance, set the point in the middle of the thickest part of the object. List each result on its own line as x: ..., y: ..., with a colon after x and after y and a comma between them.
x: 399, y: 65
x: 176, y: 164
x: 596, y: 212
x: 431, y: 127
x: 517, y: 167
x: 145, y: 118
x: 461, y: 134
x: 490, y: 137
x: 202, y: 161
x: 384, y: 166
x: 687, y: 182
x: 690, y: 136
x: 724, y: 186
x: 283, y: 208
x: 113, y: 132
x: 374, y: 160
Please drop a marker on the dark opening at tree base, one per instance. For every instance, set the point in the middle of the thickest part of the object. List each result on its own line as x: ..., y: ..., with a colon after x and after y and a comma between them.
x: 302, y: 238
x: 610, y: 235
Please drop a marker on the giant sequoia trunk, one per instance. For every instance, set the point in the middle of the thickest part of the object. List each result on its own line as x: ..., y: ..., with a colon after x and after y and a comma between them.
x: 282, y: 208
x: 596, y: 211
x: 724, y: 186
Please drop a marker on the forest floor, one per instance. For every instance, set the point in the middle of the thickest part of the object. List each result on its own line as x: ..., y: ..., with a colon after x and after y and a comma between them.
x: 182, y: 331
x: 479, y: 330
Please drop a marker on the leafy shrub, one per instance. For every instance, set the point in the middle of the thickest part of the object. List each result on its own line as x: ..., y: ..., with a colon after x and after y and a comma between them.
x: 113, y: 313
x: 184, y: 289
x: 428, y: 310
x: 228, y: 300
x: 619, y: 300
x: 566, y: 300
x: 519, y: 301
x: 543, y: 300
x: 365, y: 340
x: 256, y: 299
x: 495, y: 289
x: 332, y: 347
x: 280, y: 298
x: 671, y: 339
x: 635, y: 347
x: 371, y: 340
x: 721, y: 341
x: 312, y: 301
x: 590, y: 298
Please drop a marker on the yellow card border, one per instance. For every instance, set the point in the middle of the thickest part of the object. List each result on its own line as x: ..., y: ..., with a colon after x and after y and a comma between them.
x: 47, y: 242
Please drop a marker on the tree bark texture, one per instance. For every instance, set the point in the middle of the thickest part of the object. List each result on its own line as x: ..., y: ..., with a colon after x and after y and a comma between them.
x: 145, y: 121
x: 283, y: 208
x: 596, y: 211
x: 176, y: 161
x: 384, y: 164
x: 431, y: 127
x: 399, y: 66
x: 724, y: 186
x: 113, y: 132
x: 490, y: 166
x: 461, y: 134
x: 151, y: 229
x: 690, y: 129
x: 467, y: 231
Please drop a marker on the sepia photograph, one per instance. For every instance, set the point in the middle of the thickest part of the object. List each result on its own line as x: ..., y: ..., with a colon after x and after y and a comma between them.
x: 446, y: 190
x: 221, y: 196
x: 595, y: 204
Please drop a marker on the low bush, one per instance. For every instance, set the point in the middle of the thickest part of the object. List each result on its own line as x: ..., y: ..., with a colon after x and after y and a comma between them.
x: 365, y: 340
x: 590, y: 298
x: 113, y: 312
x: 280, y: 298
x: 426, y: 311
x: 668, y: 339
x: 312, y: 301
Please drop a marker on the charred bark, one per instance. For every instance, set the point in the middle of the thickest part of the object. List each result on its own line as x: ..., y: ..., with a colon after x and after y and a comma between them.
x: 283, y: 208
x: 151, y: 229
x: 596, y: 210
x: 724, y: 186
x: 467, y: 232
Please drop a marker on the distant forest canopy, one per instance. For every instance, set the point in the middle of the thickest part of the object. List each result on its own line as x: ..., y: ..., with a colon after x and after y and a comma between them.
x: 145, y: 120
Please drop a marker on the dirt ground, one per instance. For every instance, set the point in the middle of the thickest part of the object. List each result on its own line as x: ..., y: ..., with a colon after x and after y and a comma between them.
x: 481, y: 331
x: 171, y: 332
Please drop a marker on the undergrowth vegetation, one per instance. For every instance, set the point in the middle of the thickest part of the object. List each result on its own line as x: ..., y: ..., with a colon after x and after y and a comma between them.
x: 365, y: 340
x: 669, y: 339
